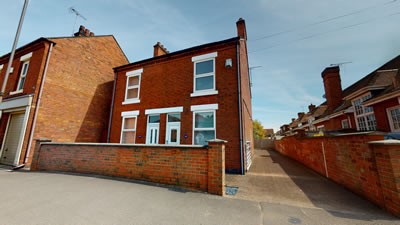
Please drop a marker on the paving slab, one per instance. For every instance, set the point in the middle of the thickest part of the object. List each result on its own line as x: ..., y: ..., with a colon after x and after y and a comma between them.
x: 284, y: 187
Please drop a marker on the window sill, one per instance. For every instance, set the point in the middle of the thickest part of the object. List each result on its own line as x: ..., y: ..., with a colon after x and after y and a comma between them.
x: 16, y: 92
x: 203, y: 93
x: 126, y: 102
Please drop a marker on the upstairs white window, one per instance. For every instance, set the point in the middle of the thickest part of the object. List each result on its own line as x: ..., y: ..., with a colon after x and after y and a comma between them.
x: 22, y: 76
x: 204, y: 75
x: 364, y: 115
x: 23, y: 72
x: 133, y: 86
x: 394, y: 118
x: 345, y: 124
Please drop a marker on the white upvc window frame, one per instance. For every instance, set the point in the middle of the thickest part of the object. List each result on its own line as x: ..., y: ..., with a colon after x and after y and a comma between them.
x: 25, y: 59
x: 362, y: 114
x: 204, y: 109
x: 199, y: 59
x: 345, y: 124
x: 131, y: 74
x: 391, y: 122
x: 127, y: 115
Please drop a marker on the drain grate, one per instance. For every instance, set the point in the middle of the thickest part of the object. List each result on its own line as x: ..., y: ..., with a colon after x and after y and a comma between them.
x: 231, y: 190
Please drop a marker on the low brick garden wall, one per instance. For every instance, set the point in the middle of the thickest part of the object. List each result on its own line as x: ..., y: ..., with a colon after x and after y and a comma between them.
x: 365, y: 164
x: 193, y: 167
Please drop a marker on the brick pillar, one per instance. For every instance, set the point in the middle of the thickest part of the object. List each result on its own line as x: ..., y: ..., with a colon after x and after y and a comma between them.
x: 216, y: 167
x: 387, y: 158
x: 36, y: 153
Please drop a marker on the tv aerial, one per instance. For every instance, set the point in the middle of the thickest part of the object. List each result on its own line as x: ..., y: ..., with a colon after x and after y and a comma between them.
x: 77, y: 14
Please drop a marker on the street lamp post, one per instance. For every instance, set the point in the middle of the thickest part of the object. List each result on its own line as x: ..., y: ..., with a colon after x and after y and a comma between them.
x: 21, y: 20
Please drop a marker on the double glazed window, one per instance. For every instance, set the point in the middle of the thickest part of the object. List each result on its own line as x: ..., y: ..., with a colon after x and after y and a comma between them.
x: 128, y: 133
x: 345, y: 124
x: 394, y: 118
x: 204, y: 75
x: 365, y: 117
x: 133, y: 86
x: 23, y: 72
x: 22, y: 76
x: 204, y: 127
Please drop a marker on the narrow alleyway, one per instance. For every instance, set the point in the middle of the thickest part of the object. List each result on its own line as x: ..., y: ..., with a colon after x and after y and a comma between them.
x: 274, y: 178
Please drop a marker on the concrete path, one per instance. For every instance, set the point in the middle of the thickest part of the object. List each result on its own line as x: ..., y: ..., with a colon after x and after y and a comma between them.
x: 294, y: 194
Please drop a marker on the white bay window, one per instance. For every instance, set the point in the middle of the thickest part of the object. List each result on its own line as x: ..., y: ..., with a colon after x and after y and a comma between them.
x: 364, y: 115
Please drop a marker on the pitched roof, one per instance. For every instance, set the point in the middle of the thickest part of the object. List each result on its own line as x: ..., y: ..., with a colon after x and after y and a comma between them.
x: 166, y: 56
x: 378, y: 77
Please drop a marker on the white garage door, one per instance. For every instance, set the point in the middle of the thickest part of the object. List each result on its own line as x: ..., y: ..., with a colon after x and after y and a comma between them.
x: 13, y: 137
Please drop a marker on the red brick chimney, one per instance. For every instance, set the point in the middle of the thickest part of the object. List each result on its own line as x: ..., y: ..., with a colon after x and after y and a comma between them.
x: 241, y: 28
x: 311, y: 108
x: 83, y: 32
x: 333, y: 87
x: 159, y: 50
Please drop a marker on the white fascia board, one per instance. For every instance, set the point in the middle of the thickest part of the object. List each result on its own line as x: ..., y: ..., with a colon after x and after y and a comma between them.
x: 205, y: 56
x: 164, y: 110
x: 204, y: 107
x: 16, y: 103
x: 130, y: 113
x: 26, y: 57
x: 134, y: 72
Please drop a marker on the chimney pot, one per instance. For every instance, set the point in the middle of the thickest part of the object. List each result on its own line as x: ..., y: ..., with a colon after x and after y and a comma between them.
x: 159, y: 50
x: 300, y: 114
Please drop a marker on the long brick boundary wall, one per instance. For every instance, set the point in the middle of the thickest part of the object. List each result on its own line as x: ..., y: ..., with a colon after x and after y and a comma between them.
x: 191, y: 167
x: 365, y: 164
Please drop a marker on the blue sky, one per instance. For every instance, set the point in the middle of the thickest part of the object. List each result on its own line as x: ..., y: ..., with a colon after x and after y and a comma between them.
x: 291, y: 41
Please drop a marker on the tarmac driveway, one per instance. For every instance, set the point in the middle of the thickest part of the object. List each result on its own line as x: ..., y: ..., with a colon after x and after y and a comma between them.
x: 54, y: 198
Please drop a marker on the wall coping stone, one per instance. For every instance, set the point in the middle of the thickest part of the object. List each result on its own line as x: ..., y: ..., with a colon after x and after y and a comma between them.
x: 217, y: 141
x: 385, y: 142
x: 124, y: 145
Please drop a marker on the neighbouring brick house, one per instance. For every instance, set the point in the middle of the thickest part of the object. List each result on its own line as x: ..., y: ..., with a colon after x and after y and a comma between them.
x: 370, y: 104
x: 59, y: 88
x: 188, y: 97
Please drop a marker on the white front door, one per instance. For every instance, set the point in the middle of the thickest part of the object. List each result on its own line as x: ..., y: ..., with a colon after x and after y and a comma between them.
x: 12, y: 139
x: 152, y: 133
x: 173, y: 134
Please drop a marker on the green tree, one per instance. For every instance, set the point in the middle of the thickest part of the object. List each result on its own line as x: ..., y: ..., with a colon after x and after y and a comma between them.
x: 258, y: 129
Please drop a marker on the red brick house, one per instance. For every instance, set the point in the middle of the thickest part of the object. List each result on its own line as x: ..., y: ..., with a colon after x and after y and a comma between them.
x: 188, y: 97
x: 59, y: 88
x: 370, y: 104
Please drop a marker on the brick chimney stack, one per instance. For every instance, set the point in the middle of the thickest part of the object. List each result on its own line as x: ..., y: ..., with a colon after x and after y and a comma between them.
x: 311, y: 108
x: 159, y: 50
x: 241, y: 28
x: 300, y: 115
x: 333, y: 87
x: 83, y: 32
